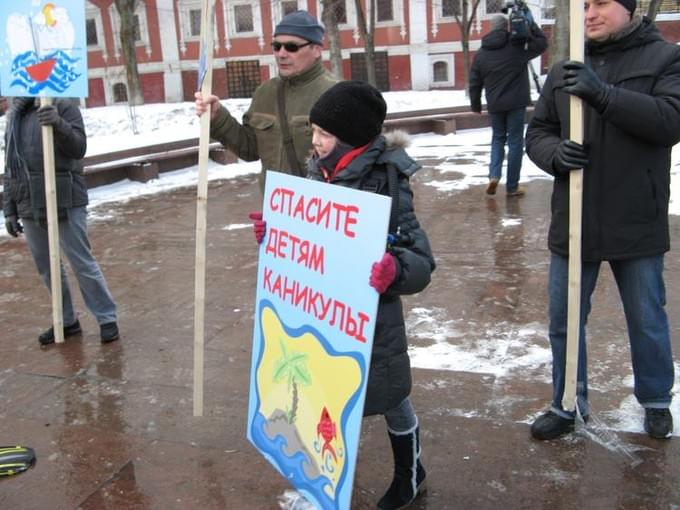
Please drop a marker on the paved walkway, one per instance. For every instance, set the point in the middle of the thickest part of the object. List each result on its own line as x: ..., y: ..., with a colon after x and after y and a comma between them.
x: 113, y: 427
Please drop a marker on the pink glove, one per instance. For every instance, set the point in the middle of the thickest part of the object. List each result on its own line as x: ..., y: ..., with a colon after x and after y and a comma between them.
x: 259, y: 226
x: 383, y: 273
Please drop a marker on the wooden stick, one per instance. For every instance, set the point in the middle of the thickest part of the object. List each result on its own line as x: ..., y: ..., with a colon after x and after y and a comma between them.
x: 576, y: 52
x: 52, y: 227
x: 202, y: 208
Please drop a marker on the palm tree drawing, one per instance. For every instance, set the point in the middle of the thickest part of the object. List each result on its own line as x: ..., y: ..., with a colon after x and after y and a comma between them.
x: 292, y: 367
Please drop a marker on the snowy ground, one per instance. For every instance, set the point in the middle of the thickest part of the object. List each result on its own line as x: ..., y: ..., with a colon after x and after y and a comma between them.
x: 109, y: 129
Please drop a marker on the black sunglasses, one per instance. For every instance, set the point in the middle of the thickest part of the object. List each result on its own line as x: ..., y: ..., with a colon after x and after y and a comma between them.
x: 290, y: 47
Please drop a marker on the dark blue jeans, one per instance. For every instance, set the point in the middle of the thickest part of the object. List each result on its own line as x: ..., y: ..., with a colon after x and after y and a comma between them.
x: 507, y: 127
x: 643, y: 295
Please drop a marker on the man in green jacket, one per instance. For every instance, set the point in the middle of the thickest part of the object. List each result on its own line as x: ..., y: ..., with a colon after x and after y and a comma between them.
x: 297, y: 46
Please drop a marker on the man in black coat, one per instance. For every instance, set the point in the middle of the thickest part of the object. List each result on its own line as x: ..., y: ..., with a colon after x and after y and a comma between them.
x: 501, y: 68
x: 25, y: 209
x: 630, y: 86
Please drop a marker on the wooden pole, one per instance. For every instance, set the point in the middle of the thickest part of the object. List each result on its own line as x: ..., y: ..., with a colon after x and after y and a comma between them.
x: 202, y: 205
x: 576, y: 52
x: 52, y: 227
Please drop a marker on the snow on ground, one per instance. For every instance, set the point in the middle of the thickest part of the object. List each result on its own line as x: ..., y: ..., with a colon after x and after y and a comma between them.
x: 507, y: 352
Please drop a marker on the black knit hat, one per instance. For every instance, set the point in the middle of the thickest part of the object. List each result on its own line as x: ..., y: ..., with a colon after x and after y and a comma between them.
x: 353, y: 111
x: 301, y: 24
x: 629, y: 5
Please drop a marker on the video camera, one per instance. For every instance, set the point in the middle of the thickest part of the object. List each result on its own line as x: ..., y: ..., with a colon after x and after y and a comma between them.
x: 520, y: 20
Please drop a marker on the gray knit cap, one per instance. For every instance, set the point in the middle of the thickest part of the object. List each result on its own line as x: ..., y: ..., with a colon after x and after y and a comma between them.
x: 301, y: 24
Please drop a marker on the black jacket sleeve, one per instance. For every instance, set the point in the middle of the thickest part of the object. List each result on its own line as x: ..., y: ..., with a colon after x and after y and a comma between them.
x: 69, y: 134
x: 544, y: 131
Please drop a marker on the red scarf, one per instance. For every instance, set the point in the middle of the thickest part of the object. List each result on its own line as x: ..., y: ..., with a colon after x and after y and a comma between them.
x: 344, y: 162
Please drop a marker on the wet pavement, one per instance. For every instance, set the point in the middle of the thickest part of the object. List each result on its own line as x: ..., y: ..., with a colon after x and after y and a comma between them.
x: 112, y: 425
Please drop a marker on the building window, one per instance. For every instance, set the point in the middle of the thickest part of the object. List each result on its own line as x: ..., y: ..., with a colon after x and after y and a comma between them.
x: 450, y: 8
x: 340, y: 8
x: 288, y: 7
x: 494, y: 6
x: 137, y: 29
x: 243, y: 18
x: 384, y: 10
x: 91, y: 32
x: 440, y: 72
x: 94, y: 29
x: 120, y: 93
x: 195, y: 22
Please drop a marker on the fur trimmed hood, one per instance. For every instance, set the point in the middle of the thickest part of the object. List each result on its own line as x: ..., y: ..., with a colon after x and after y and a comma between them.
x: 397, y: 139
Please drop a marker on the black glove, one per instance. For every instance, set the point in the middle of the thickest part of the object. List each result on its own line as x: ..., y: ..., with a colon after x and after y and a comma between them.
x: 21, y: 104
x: 581, y: 81
x: 569, y: 156
x: 48, y: 115
x: 476, y: 106
x: 13, y: 226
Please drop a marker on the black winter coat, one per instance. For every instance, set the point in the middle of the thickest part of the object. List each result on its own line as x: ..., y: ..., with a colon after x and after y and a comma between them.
x: 626, y: 184
x: 24, y: 183
x: 500, y: 67
x: 389, y: 380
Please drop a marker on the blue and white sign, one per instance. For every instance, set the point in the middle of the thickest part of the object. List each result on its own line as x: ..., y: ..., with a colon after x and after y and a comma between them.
x: 43, y: 49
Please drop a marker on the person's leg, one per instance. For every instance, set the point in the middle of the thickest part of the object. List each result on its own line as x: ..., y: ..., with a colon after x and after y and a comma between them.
x: 515, y: 123
x: 409, y: 473
x: 558, y: 421
x: 93, y: 287
x: 38, y: 244
x: 559, y: 299
x: 498, y: 138
x: 643, y: 294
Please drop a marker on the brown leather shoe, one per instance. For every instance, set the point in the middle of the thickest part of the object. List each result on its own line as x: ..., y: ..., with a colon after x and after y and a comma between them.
x: 491, y: 188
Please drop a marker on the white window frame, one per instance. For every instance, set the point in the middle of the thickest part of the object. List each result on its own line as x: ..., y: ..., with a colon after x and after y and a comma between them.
x: 184, y: 7
x: 449, y: 61
x: 351, y: 15
x: 231, y: 19
x: 397, y: 11
x: 94, y: 12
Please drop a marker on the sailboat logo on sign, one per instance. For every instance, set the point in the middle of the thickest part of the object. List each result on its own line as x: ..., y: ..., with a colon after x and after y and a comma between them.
x: 41, y: 45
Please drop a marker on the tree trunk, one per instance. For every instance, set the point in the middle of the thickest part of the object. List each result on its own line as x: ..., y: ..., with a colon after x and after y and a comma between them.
x: 368, y: 34
x: 464, y: 21
x: 653, y: 9
x: 293, y: 410
x: 126, y: 12
x: 560, y: 35
x: 330, y: 20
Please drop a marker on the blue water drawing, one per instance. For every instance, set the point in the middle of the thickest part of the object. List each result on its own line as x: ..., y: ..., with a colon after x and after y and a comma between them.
x: 292, y: 467
x: 60, y: 79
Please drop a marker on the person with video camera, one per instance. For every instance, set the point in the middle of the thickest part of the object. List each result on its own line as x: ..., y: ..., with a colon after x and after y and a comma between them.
x: 500, y: 68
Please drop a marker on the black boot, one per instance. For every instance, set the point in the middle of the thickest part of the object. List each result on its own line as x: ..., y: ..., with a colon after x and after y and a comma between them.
x: 409, y: 473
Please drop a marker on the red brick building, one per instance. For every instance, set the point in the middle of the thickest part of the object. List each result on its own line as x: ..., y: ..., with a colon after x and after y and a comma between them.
x: 417, y: 43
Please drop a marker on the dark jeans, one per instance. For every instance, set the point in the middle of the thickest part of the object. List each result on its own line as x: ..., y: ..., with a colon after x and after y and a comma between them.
x: 643, y: 295
x: 507, y: 127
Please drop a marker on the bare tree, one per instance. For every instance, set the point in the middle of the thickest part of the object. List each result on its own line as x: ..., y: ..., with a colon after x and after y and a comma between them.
x: 465, y: 17
x: 126, y: 12
x: 653, y: 9
x: 559, y: 45
x: 368, y: 34
x: 330, y: 20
